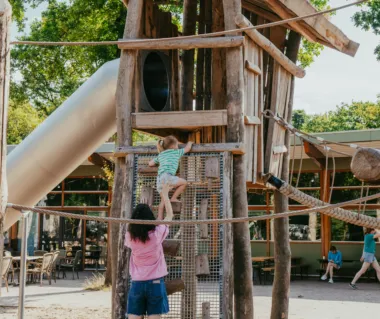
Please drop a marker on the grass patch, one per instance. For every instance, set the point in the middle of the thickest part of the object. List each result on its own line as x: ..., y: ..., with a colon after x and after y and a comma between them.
x: 96, y: 283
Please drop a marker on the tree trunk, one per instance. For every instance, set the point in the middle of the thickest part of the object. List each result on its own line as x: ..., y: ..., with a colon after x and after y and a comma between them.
x: 200, y: 60
x: 282, y: 253
x: 218, y: 82
x: 208, y: 56
x: 5, y: 24
x: 125, y: 104
x: 187, y: 83
x: 235, y: 133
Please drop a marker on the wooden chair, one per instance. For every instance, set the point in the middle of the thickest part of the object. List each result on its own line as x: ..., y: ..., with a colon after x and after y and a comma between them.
x: 43, y: 268
x: 7, y: 263
x: 40, y: 252
x: 74, y: 265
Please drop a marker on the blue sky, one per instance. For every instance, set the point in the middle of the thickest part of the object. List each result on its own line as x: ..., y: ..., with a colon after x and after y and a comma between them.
x: 334, y: 77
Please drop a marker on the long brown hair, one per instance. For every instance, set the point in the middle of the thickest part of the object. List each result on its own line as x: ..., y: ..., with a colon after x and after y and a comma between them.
x: 166, y: 143
x: 368, y: 231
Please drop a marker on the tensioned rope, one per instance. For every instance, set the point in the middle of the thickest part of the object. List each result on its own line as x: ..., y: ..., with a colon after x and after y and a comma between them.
x: 322, y: 207
x: 205, y: 35
x: 322, y: 142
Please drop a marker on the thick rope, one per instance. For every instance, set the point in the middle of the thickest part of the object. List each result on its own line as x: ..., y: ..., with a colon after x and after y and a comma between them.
x: 336, y: 212
x: 280, y: 121
x: 205, y: 35
x: 288, y: 191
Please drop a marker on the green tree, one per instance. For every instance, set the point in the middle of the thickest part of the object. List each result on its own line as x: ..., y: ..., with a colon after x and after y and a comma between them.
x: 346, y: 117
x: 49, y: 75
x: 22, y: 120
x: 368, y: 18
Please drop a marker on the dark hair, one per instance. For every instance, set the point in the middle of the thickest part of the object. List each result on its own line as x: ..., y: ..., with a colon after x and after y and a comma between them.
x: 333, y: 248
x: 141, y: 232
x: 368, y: 231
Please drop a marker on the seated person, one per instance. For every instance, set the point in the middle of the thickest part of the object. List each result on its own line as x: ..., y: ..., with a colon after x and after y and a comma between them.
x: 334, y: 261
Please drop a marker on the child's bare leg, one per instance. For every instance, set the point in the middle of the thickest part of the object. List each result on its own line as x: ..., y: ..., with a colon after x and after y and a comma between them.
x: 180, y: 188
x: 166, y: 201
x: 161, y: 207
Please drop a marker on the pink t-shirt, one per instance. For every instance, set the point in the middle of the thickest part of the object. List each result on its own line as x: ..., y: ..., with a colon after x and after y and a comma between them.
x: 147, y: 259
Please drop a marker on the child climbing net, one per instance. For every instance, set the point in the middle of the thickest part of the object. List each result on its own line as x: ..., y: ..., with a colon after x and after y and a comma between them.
x: 168, y: 161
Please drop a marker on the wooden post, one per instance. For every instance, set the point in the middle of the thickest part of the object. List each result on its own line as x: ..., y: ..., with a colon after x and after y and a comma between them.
x: 282, y: 252
x: 203, y: 228
x: 200, y: 60
x: 208, y: 56
x: 235, y: 132
x: 187, y: 83
x: 228, y: 279
x: 218, y: 77
x: 121, y: 206
x: 5, y: 27
x: 206, y: 310
x: 325, y: 220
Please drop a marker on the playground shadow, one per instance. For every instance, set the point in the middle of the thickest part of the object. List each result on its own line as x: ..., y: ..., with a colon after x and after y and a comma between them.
x: 313, y: 289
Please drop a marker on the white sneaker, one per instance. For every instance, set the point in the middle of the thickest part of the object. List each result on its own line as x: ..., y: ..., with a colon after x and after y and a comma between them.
x: 331, y: 281
x: 324, y: 277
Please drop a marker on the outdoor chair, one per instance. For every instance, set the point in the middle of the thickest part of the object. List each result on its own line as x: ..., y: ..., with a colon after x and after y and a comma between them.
x: 43, y: 268
x: 7, y: 263
x: 74, y: 265
x: 40, y: 252
x: 54, y: 265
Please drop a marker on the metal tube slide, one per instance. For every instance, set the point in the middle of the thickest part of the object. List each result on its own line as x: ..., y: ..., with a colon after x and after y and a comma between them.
x: 63, y: 141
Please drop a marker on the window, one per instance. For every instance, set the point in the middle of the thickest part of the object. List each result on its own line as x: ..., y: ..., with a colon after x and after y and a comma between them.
x: 258, y: 229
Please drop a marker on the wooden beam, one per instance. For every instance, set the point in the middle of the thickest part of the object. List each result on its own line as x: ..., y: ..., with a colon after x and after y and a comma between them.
x: 243, y: 286
x: 125, y: 99
x: 269, y: 47
x: 323, y: 26
x: 184, y: 44
x: 284, y: 14
x: 234, y: 148
x: 5, y: 28
x: 180, y: 120
x: 315, y: 154
x: 250, y: 66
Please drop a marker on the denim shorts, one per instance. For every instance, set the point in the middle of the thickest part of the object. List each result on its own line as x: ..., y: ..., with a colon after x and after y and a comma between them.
x: 369, y: 257
x: 148, y: 298
x: 166, y: 179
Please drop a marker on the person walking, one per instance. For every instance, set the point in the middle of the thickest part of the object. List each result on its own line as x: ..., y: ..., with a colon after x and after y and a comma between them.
x: 368, y: 258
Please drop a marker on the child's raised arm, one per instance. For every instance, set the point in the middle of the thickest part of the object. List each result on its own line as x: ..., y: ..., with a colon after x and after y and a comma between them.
x: 188, y: 147
x: 153, y: 162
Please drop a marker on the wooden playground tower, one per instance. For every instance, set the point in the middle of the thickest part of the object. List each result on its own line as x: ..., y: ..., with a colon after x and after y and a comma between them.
x: 237, y: 77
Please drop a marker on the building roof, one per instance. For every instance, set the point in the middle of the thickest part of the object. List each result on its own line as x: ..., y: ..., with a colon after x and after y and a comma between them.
x: 317, y: 29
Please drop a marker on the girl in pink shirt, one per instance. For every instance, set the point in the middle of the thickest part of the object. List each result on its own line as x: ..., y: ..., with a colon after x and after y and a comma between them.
x: 147, y: 266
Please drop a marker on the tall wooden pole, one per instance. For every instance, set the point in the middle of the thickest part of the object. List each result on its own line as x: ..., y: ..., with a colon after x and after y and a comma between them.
x: 208, y: 56
x: 187, y: 83
x: 280, y: 292
x: 126, y: 96
x: 243, y: 285
x: 218, y: 77
x: 5, y: 25
x: 200, y: 60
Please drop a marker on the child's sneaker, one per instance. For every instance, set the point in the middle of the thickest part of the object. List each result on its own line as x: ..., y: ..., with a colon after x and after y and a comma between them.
x: 353, y: 286
x: 324, y: 277
x: 331, y: 281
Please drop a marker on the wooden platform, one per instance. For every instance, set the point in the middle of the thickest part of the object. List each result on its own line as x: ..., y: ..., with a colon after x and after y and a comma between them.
x: 188, y: 120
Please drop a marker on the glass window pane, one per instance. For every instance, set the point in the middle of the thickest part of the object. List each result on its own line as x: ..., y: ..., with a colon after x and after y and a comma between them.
x: 342, y: 231
x: 345, y: 179
x: 50, y: 232
x: 81, y: 184
x: 306, y: 179
x: 258, y: 229
x: 72, y: 234
x: 257, y: 197
x: 305, y: 227
x: 96, y: 242
x: 86, y: 199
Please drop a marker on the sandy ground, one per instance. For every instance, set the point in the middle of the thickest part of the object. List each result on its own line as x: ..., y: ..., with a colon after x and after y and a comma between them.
x: 309, y: 300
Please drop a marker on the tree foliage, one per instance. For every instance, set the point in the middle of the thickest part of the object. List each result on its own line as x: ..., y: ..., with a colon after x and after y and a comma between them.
x: 368, y: 18
x: 49, y: 75
x: 22, y: 120
x: 346, y: 117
